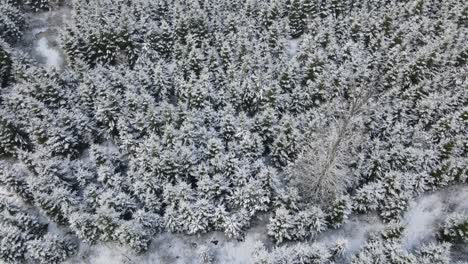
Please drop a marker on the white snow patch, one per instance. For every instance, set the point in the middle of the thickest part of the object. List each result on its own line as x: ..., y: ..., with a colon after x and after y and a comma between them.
x: 420, y: 219
x: 238, y: 253
x: 39, y: 30
x: 52, y: 57
x: 5, y: 193
x: 355, y: 232
x: 460, y: 199
x: 293, y: 47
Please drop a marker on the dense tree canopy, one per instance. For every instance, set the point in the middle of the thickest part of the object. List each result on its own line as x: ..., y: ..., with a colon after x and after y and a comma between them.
x: 196, y: 116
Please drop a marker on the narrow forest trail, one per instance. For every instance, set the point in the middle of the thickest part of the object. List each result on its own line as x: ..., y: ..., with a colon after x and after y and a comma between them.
x: 41, y: 38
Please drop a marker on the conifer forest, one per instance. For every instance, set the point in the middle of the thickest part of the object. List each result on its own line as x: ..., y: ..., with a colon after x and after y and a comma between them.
x: 234, y: 131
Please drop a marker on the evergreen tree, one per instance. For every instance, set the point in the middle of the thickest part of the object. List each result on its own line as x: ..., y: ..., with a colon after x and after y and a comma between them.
x: 455, y: 228
x: 6, y: 68
x: 12, y: 244
x: 434, y: 253
x: 12, y: 23
x: 340, y: 211
x: 162, y: 40
x: 202, y: 116
x: 41, y: 5
x: 51, y: 249
x: 297, y: 18
x: 133, y: 236
x: 12, y: 138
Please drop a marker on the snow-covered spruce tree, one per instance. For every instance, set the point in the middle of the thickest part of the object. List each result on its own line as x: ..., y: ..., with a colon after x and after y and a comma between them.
x: 51, y: 249
x: 281, y: 226
x: 14, y: 179
x: 338, y: 249
x: 289, y: 225
x: 297, y: 19
x: 6, y: 65
x: 12, y: 244
x: 368, y: 197
x: 134, y: 236
x: 393, y: 231
x: 53, y: 188
x: 454, y: 228
x: 66, y: 137
x: 150, y: 221
x: 41, y: 5
x: 398, y: 190
x: 438, y: 253
x: 12, y: 23
x: 254, y: 196
x: 161, y: 40
x: 18, y: 228
x: 110, y: 48
x: 285, y: 147
x: 14, y: 214
x: 235, y: 225
x: 12, y: 138
x: 340, y: 211
x: 170, y: 116
x: 46, y: 88
x: 84, y: 225
x: 308, y: 223
x: 382, y: 251
x: 107, y: 36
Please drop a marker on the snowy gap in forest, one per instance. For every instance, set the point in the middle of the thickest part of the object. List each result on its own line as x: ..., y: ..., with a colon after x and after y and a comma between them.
x: 424, y: 215
x: 293, y: 46
x: 421, y: 222
x: 52, y: 56
x: 42, y: 35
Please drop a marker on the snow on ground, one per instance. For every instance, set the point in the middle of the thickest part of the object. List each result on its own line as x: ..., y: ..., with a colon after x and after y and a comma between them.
x: 293, y: 46
x: 51, y: 56
x: 176, y: 249
x: 355, y: 232
x: 40, y: 38
x: 5, y: 193
x: 421, y: 221
x: 425, y: 214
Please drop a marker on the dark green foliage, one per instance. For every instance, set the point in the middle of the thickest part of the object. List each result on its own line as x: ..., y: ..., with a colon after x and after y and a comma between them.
x: 310, y: 8
x: 101, y: 47
x: 6, y: 68
x: 14, y: 178
x: 162, y: 41
x: 110, y: 48
x: 393, y: 231
x: 41, y: 5
x: 288, y: 225
x: 51, y: 249
x: 297, y: 19
x: 340, y: 211
x: 19, y: 227
x: 12, y: 245
x: 12, y: 138
x: 285, y: 148
x: 85, y: 226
